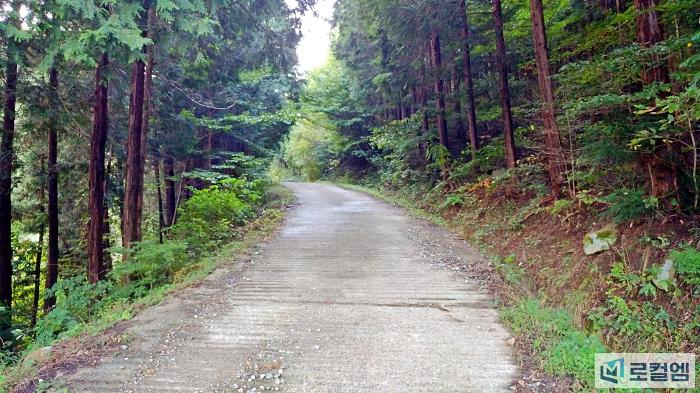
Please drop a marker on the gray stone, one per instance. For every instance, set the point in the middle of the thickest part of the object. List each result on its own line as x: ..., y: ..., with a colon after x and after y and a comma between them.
x: 665, y: 275
x: 600, y: 240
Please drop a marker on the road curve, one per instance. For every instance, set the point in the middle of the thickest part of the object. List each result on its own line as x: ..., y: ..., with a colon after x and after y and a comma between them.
x: 341, y: 300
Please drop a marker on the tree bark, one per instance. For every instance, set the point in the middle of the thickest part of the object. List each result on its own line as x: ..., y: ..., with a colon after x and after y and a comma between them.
x: 439, y: 89
x: 553, y: 149
x: 147, y: 102
x: 161, y: 216
x: 649, y: 33
x: 424, y: 99
x: 52, y: 257
x: 457, y: 108
x: 503, y: 88
x: 6, y: 168
x: 96, y: 175
x: 469, y: 81
x: 135, y: 161
x: 107, y: 242
x: 169, y: 169
x: 662, y: 171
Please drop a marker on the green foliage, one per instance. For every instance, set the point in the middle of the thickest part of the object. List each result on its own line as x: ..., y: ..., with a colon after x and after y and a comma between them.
x: 491, y: 156
x: 150, y: 265
x: 77, y: 301
x: 510, y: 270
x: 309, y: 151
x: 328, y: 135
x: 401, y: 159
x: 628, y: 205
x: 560, y: 206
x: 452, y: 200
x: 210, y: 215
x: 637, y: 324
x: 631, y: 321
x: 687, y: 265
x: 561, y: 348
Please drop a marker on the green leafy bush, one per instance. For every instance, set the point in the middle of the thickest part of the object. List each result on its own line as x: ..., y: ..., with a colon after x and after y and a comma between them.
x: 208, y: 217
x: 687, y: 262
x: 77, y: 301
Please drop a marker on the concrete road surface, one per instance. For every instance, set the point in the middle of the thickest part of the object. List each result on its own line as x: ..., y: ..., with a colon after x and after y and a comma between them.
x: 343, y: 299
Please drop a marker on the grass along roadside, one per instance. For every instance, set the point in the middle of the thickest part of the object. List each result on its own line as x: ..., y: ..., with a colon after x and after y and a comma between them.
x: 105, y: 333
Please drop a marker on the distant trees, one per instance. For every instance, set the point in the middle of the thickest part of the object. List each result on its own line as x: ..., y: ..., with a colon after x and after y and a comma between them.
x: 580, y: 89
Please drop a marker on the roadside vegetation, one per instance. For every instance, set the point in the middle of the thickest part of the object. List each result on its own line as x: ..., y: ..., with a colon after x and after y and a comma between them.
x: 231, y: 215
x: 585, y: 199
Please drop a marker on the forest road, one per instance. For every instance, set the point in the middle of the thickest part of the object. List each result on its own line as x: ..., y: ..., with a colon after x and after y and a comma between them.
x: 352, y: 295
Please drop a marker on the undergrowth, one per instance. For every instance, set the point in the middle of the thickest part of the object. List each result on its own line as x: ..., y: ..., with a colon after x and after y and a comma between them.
x: 560, y: 347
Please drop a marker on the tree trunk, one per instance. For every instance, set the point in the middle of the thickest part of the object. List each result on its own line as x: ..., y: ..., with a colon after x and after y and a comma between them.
x: 424, y: 100
x: 37, y: 274
x: 169, y: 169
x: 52, y: 257
x: 107, y: 242
x: 503, y: 88
x: 414, y: 100
x: 468, y: 81
x: 662, y: 172
x: 96, y: 175
x: 161, y: 216
x: 649, y: 33
x: 423, y: 104
x: 6, y: 167
x: 147, y: 102
x: 555, y: 154
x: 135, y: 160
x: 457, y: 108
x: 439, y: 90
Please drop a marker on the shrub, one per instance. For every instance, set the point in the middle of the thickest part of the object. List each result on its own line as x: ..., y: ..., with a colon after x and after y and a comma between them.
x: 628, y: 205
x: 208, y: 217
x: 150, y: 265
x: 77, y: 301
x: 687, y: 262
